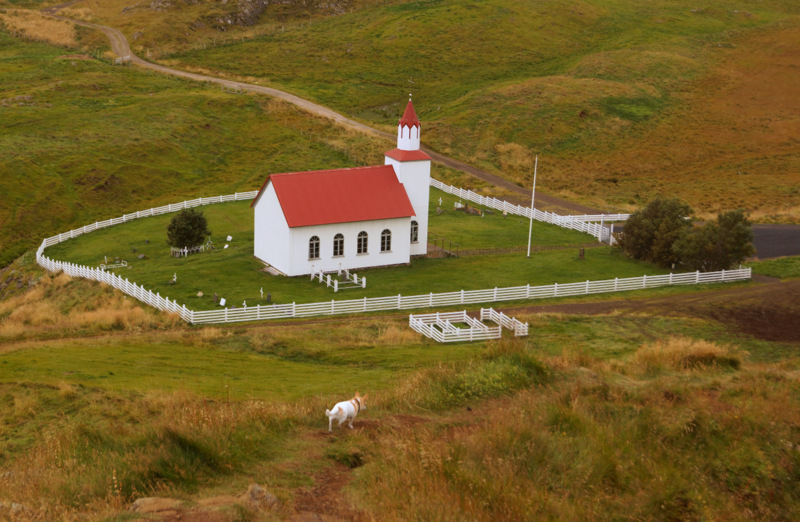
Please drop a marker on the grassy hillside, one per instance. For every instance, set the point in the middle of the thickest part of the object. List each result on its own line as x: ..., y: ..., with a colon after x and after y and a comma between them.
x: 622, y: 100
x: 82, y: 140
x: 591, y: 417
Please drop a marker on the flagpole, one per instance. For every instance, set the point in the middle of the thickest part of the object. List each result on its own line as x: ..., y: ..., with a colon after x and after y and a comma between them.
x: 533, y: 198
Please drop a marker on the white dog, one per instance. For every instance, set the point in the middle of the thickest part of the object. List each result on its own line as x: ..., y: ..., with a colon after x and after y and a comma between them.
x: 346, y: 411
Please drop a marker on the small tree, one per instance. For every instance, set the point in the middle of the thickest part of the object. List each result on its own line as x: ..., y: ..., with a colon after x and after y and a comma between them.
x: 718, y: 245
x: 650, y: 233
x: 187, y: 229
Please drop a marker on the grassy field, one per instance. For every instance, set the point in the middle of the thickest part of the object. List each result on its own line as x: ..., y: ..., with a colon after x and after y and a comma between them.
x: 235, y: 274
x: 586, y: 418
x: 622, y: 101
x: 681, y: 408
x: 628, y: 103
x: 82, y: 140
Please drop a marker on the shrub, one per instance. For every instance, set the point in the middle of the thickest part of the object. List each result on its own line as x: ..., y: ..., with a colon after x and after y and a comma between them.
x: 717, y: 246
x: 651, y: 232
x: 187, y: 229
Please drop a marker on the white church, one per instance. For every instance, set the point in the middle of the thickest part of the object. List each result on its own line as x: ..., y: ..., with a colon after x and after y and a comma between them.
x: 326, y: 220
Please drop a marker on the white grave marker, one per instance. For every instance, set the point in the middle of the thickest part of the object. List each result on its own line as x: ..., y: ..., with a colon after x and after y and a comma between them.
x: 222, y: 301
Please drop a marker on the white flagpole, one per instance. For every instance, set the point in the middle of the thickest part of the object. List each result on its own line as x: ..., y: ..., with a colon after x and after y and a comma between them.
x: 533, y: 198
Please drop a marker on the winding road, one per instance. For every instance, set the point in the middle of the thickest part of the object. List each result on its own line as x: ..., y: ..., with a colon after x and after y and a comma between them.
x: 120, y: 46
x: 770, y: 240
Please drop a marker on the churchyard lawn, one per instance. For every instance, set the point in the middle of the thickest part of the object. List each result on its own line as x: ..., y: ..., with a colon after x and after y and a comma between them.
x: 234, y: 274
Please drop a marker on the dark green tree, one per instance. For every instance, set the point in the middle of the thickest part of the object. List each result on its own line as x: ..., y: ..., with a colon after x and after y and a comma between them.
x: 718, y: 245
x: 651, y: 232
x: 187, y: 229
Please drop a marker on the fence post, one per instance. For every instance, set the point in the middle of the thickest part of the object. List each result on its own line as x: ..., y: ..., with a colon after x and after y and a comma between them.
x: 723, y: 275
x: 587, y: 287
x: 462, y: 296
x: 365, y: 303
x: 430, y: 299
x: 294, y: 310
x: 644, y: 281
x: 555, y: 289
x: 697, y: 277
x: 398, y: 301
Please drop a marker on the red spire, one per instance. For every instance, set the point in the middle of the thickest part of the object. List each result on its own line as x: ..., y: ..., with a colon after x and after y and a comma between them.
x: 409, y: 118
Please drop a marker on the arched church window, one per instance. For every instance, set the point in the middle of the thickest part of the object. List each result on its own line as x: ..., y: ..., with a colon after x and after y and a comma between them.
x: 313, y: 247
x: 386, y: 240
x: 414, y: 232
x: 362, y: 243
x: 338, y: 245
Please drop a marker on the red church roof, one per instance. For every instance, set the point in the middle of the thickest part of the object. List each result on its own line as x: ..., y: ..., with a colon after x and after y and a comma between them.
x: 323, y: 197
x: 409, y: 118
x: 407, y: 155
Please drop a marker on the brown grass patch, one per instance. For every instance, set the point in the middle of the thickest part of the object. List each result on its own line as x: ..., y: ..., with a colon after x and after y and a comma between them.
x: 682, y: 353
x: 33, y: 25
x: 60, y: 305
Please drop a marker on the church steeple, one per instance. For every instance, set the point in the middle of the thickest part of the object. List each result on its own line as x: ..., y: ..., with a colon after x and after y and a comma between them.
x: 408, y: 129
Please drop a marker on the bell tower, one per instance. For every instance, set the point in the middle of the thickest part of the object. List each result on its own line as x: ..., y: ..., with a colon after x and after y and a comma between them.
x: 413, y: 169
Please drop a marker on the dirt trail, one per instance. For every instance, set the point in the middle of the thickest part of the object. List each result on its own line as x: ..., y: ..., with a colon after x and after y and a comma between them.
x: 120, y: 46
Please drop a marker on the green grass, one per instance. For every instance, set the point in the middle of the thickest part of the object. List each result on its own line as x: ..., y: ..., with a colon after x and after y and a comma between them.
x: 235, y: 369
x: 783, y: 268
x: 236, y: 275
x: 615, y: 59
x: 204, y: 411
x: 96, y: 140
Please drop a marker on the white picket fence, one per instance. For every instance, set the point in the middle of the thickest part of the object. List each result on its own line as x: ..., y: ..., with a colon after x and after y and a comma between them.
x: 166, y: 209
x: 439, y: 327
x: 519, y: 328
x: 581, y: 223
x: 351, y: 306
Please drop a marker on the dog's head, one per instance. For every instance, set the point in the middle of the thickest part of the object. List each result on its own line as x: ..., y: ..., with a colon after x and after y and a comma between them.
x: 362, y: 400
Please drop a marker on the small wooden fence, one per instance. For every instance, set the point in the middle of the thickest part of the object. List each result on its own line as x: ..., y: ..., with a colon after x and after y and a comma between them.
x: 519, y: 328
x: 366, y: 304
x: 440, y: 327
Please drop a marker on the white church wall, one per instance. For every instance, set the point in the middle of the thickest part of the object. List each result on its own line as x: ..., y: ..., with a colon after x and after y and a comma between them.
x: 416, y: 179
x: 270, y: 230
x: 399, y: 253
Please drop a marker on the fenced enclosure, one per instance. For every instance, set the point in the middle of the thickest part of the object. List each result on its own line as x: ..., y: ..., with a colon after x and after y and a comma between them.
x: 352, y: 306
x: 440, y: 327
